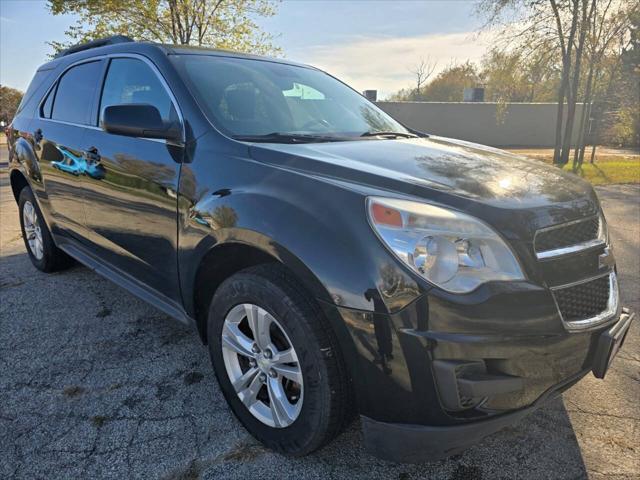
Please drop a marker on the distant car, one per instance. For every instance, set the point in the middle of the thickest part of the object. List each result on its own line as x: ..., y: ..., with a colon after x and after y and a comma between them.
x: 334, y: 261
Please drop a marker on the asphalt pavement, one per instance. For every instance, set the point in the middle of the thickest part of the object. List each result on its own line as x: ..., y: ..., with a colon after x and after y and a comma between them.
x: 95, y: 383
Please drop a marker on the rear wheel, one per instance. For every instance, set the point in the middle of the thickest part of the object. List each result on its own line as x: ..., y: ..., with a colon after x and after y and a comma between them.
x: 43, y: 253
x: 276, y: 360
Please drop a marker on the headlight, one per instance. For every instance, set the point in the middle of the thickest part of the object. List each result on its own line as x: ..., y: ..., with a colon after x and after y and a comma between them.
x: 452, y: 250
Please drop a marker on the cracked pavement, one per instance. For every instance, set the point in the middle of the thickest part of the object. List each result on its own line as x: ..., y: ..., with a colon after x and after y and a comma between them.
x: 97, y: 384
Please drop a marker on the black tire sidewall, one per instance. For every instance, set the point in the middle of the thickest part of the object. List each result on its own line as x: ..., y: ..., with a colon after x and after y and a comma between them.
x: 308, y: 430
x: 46, y: 263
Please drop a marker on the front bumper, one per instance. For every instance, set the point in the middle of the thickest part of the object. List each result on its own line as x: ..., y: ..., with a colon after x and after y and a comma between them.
x: 412, y: 443
x: 405, y: 443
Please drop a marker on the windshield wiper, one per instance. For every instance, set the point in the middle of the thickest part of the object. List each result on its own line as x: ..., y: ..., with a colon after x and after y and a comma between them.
x: 281, y: 137
x: 388, y: 134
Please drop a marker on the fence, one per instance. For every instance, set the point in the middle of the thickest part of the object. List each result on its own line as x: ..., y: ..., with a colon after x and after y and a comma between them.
x: 494, y: 124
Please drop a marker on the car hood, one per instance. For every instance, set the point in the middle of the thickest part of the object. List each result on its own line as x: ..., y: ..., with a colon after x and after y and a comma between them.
x: 424, y: 166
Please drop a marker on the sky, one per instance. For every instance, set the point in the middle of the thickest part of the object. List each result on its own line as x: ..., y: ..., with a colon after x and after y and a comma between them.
x: 368, y: 44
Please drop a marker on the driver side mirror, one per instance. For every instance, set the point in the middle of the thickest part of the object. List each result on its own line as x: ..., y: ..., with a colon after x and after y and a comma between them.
x: 139, y: 120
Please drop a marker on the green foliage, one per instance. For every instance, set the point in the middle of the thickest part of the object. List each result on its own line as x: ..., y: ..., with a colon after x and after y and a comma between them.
x: 406, y: 95
x: 227, y: 24
x: 607, y: 169
x: 526, y: 65
x: 508, y: 76
x: 9, y: 101
x: 623, y: 125
x: 449, y: 84
x: 513, y: 76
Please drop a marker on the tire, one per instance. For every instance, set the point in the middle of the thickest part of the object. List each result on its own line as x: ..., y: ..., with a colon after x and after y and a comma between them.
x: 324, y: 389
x: 43, y: 253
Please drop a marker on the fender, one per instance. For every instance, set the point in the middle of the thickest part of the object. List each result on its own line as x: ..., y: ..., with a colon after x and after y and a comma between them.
x: 23, y: 159
x: 259, y: 241
x: 268, y: 216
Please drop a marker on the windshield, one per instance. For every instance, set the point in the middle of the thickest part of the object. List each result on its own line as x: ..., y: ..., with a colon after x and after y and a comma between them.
x: 254, y: 98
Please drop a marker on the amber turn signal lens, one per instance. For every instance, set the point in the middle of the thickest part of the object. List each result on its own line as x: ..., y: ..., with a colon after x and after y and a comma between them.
x: 383, y: 215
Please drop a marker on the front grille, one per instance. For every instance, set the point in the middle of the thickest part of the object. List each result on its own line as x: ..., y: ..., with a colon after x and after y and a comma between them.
x: 567, y: 235
x: 583, y: 301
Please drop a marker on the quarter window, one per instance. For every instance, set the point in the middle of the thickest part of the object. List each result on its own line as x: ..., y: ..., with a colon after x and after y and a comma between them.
x: 75, y: 93
x: 130, y: 80
x: 48, y: 103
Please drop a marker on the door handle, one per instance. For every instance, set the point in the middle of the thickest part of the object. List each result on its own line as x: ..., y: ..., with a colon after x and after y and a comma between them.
x: 37, y: 137
x: 91, y: 154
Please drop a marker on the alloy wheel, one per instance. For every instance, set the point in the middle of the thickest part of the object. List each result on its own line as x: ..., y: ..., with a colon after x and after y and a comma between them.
x: 32, y: 230
x: 262, y: 365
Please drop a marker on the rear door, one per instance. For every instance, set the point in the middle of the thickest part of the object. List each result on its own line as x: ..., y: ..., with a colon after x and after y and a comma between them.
x: 60, y: 128
x: 132, y: 183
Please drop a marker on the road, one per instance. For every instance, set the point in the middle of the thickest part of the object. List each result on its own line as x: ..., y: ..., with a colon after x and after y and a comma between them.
x: 97, y: 384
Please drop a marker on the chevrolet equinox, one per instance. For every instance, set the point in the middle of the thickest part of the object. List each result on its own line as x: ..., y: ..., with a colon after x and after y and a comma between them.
x: 336, y: 263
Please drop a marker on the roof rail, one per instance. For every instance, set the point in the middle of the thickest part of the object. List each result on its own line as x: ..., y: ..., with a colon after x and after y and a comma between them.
x: 101, y: 42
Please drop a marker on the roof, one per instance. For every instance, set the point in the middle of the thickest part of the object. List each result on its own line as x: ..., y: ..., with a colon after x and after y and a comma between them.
x: 122, y: 44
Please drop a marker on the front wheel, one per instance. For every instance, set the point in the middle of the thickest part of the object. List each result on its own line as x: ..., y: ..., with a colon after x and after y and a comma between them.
x: 43, y: 253
x: 277, y: 361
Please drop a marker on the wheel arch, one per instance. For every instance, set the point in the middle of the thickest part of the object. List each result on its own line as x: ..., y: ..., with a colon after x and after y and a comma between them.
x: 18, y: 181
x: 222, y: 260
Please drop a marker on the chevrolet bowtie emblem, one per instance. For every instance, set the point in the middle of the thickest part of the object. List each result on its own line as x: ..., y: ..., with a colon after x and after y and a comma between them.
x: 606, y: 258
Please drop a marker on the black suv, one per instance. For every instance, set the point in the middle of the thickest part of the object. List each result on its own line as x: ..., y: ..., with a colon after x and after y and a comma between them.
x: 334, y: 261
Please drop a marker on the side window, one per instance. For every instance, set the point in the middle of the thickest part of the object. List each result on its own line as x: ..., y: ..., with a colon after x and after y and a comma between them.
x: 130, y: 80
x: 74, y: 95
x: 48, y: 103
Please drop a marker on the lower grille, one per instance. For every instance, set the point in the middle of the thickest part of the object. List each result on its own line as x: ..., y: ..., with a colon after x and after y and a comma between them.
x: 589, y: 303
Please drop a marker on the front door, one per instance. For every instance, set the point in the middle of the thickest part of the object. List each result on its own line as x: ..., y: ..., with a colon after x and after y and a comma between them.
x: 131, y: 195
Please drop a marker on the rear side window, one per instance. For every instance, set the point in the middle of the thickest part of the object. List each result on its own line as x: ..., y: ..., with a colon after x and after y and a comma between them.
x: 74, y: 95
x: 48, y: 103
x: 130, y: 80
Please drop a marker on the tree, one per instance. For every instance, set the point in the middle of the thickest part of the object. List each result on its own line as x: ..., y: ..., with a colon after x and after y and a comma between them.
x: 516, y: 76
x: 507, y: 75
x: 449, y: 84
x: 503, y: 77
x: 629, y: 89
x: 561, y: 24
x: 422, y: 72
x: 582, y: 19
x: 566, y: 26
x: 9, y: 101
x: 225, y: 24
x: 610, y: 34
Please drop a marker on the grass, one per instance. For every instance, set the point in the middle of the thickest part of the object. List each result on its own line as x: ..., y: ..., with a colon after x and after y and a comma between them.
x: 615, y: 171
x: 607, y: 169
